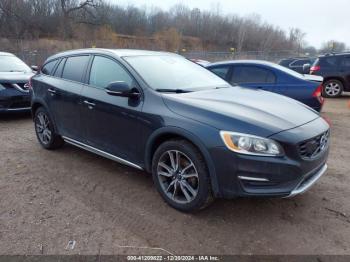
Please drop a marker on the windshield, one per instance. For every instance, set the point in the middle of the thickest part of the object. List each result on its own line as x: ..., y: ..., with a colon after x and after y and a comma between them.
x: 13, y: 64
x: 171, y: 72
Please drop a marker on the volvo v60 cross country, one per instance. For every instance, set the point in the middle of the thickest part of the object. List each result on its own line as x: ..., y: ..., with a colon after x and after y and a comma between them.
x: 199, y: 137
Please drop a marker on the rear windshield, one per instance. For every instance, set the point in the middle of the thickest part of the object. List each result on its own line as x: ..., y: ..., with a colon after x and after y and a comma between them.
x: 13, y: 64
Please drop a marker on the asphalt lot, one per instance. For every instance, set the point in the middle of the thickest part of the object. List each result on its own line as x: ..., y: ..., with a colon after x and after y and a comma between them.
x: 50, y: 197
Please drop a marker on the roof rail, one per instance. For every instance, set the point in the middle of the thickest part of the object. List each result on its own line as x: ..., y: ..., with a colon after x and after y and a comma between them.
x: 337, y: 53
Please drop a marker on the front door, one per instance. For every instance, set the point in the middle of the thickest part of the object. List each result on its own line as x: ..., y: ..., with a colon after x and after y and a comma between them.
x: 112, y: 123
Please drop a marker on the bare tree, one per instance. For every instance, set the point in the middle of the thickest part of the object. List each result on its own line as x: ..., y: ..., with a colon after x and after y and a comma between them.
x: 70, y: 8
x: 202, y: 29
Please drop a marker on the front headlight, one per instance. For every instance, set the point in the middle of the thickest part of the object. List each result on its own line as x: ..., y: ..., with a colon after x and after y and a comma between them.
x: 251, y: 145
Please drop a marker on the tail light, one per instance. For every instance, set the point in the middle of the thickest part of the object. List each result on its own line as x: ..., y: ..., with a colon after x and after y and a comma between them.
x: 318, y: 94
x: 314, y: 69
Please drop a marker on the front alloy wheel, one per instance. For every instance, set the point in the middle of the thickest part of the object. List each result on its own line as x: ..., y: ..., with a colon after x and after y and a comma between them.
x: 178, y: 176
x: 181, y: 176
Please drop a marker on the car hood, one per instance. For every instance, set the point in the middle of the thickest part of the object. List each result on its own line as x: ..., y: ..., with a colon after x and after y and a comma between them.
x: 313, y: 78
x: 14, y: 77
x: 242, y: 110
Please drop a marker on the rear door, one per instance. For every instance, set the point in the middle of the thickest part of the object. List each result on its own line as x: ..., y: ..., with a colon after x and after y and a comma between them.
x: 254, y: 76
x: 111, y: 123
x: 65, y: 91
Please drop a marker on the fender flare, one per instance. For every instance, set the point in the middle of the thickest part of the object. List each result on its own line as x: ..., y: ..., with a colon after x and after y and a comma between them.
x: 176, y: 131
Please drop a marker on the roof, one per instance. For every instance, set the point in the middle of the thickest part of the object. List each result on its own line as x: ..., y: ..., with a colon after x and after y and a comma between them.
x: 255, y: 62
x: 6, y: 54
x: 117, y: 52
x: 335, y: 54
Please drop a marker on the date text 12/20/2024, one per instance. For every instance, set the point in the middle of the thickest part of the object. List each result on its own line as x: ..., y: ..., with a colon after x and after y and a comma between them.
x: 173, y: 258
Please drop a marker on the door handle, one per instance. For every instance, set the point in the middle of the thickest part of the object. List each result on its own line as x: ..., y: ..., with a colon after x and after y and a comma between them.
x: 90, y: 104
x: 52, y: 91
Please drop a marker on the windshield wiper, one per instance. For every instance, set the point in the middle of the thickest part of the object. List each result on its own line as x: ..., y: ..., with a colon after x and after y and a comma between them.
x: 178, y: 91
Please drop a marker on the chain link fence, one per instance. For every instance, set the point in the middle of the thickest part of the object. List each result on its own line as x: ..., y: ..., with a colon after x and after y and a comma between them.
x: 273, y: 56
x: 33, y: 57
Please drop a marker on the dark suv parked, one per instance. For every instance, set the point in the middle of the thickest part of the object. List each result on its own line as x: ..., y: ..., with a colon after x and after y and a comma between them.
x: 335, y: 68
x: 199, y: 137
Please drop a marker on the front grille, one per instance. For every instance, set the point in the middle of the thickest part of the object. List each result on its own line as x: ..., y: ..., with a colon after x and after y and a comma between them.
x: 311, y: 148
x: 23, y: 87
x: 7, y: 85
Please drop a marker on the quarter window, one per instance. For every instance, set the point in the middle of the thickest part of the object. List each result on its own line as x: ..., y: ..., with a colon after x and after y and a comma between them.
x: 59, y: 69
x: 75, y: 67
x: 48, y: 68
x: 252, y: 74
x: 105, y: 71
x: 220, y: 71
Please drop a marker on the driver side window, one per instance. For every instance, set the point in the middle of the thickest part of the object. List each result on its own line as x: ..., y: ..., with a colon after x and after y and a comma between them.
x: 105, y: 71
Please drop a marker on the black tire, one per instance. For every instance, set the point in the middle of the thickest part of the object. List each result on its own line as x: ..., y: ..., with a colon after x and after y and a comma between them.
x: 332, y: 88
x: 188, y: 156
x: 46, y: 133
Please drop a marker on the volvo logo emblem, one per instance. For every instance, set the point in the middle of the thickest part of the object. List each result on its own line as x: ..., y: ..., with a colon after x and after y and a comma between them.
x: 323, y: 141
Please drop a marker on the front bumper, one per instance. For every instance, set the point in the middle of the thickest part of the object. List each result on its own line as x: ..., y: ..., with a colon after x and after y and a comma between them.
x: 12, y: 100
x: 244, y: 175
x: 308, y: 182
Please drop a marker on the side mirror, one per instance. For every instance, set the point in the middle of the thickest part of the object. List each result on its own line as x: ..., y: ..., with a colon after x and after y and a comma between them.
x: 122, y: 89
x: 306, y: 68
x: 34, y: 68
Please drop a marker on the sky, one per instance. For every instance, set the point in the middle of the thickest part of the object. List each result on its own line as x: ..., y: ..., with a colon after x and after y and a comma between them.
x: 321, y: 20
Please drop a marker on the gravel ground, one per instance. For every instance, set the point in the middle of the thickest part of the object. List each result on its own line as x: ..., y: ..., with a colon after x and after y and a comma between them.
x: 50, y: 197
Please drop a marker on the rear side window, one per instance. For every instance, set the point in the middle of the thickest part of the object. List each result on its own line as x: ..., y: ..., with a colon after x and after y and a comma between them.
x: 74, y: 68
x: 105, y: 71
x: 300, y: 62
x: 220, y: 71
x: 48, y: 67
x: 252, y: 74
x: 328, y: 61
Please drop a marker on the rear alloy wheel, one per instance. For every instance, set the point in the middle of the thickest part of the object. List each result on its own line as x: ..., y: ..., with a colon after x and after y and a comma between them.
x: 332, y: 88
x: 181, y: 176
x: 45, y: 131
